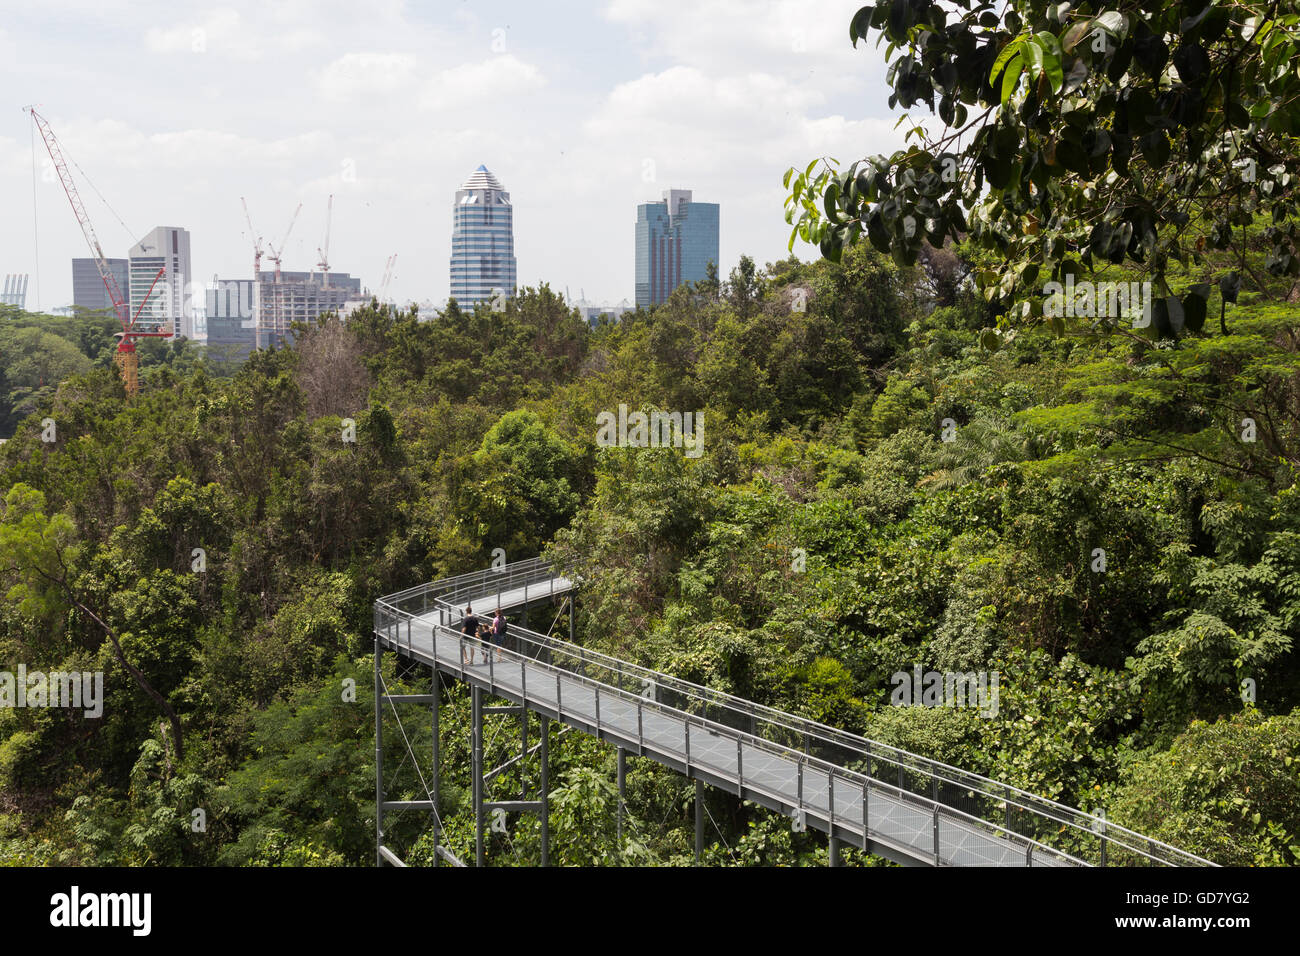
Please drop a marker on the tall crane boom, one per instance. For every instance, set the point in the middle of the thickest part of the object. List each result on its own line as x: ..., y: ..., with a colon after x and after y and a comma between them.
x: 125, y: 357
x: 79, y: 210
x: 388, y: 277
x: 257, y: 276
x: 278, y: 252
x: 257, y: 240
x: 324, y: 251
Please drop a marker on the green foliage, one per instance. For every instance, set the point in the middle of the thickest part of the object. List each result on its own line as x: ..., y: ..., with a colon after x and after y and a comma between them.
x: 155, y: 824
x: 1235, y: 624
x: 1061, y: 726
x: 523, y: 485
x: 32, y: 363
x: 899, y: 405
x: 1228, y: 790
x: 826, y: 538
x: 307, y: 788
x: 1073, y: 135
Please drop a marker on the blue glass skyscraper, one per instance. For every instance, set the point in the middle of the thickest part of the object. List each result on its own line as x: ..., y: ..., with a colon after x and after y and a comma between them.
x: 676, y: 239
x: 482, y: 241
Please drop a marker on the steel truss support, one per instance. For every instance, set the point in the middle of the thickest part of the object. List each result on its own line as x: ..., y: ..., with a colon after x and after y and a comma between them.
x: 523, y: 751
x: 382, y: 853
x: 545, y: 791
x: 476, y: 767
x: 482, y: 805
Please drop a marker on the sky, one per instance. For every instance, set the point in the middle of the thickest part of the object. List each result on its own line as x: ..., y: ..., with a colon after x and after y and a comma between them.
x: 174, y: 111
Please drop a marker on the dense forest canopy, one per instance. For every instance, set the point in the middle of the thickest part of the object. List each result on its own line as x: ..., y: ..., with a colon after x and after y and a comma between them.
x: 828, y: 389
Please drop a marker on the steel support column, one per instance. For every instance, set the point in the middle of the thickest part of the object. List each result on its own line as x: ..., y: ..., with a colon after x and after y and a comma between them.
x: 523, y: 749
x: 699, y: 820
x: 437, y: 762
x: 622, y: 781
x: 379, y: 760
x: 545, y: 794
x: 832, y: 844
x: 476, y: 761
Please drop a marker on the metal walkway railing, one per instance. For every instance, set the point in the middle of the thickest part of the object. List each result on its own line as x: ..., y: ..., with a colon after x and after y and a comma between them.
x: 899, y: 804
x: 517, y: 583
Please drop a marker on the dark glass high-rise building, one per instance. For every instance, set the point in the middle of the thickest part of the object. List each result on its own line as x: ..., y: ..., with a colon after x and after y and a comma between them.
x: 676, y: 239
x: 482, y: 241
x: 88, y: 291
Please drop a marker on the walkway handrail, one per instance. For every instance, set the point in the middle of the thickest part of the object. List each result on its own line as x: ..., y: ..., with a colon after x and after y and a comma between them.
x: 451, y: 594
x: 575, y: 671
x: 959, y: 790
x: 875, y: 752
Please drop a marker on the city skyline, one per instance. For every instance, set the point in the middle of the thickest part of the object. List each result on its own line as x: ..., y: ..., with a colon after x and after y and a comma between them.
x: 584, y: 111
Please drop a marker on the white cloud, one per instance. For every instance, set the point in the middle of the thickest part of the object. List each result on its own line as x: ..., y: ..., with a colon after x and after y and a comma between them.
x: 222, y: 30
x: 754, y: 124
x: 355, y: 75
x: 794, y: 37
x: 255, y: 34
x: 685, y: 95
x: 474, y: 85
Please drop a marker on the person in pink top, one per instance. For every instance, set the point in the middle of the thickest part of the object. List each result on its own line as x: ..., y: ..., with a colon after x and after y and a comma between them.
x: 499, y: 632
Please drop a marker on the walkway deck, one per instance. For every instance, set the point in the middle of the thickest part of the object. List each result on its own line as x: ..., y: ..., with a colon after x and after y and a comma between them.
x: 772, y: 776
x: 744, y: 749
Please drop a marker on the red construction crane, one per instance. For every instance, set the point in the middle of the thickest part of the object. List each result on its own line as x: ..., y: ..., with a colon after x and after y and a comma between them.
x: 125, y: 358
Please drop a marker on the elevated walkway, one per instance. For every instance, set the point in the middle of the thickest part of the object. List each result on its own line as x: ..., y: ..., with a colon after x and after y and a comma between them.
x: 886, y: 801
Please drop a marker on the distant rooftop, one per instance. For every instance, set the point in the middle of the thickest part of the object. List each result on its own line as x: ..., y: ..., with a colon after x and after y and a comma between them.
x: 482, y: 178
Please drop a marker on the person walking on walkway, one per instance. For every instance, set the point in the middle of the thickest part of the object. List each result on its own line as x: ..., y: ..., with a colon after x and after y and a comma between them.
x: 468, y: 627
x: 499, y: 632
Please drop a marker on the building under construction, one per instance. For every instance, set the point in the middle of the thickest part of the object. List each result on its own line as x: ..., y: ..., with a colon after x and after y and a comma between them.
x: 299, y: 297
x: 243, y: 315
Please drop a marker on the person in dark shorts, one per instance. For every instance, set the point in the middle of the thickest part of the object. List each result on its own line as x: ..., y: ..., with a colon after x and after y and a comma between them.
x: 499, y: 632
x: 468, y: 627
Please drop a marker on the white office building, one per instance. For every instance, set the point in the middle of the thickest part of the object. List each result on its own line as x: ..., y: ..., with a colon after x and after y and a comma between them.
x: 169, y: 304
x: 482, y: 241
